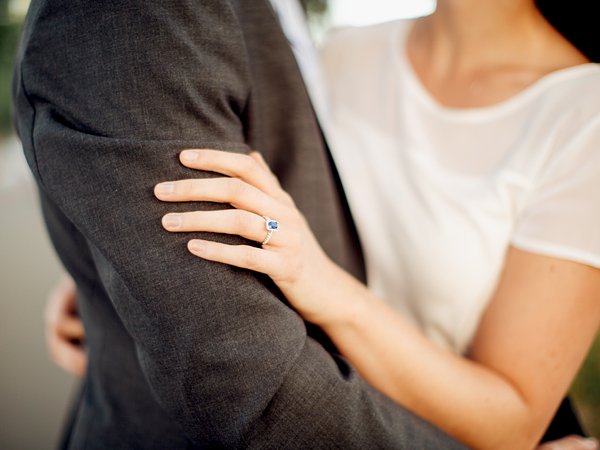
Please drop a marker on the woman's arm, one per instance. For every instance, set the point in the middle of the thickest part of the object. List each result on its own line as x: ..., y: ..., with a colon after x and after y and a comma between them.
x: 529, y: 346
x: 534, y: 335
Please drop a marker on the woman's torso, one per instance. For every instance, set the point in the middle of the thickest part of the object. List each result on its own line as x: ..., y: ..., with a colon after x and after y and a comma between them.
x: 438, y: 194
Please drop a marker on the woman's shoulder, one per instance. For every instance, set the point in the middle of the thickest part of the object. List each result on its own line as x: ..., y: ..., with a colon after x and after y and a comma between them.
x: 349, y: 47
x: 578, y: 86
x: 572, y: 97
x: 558, y: 105
x: 558, y: 215
x: 353, y: 37
x: 354, y: 58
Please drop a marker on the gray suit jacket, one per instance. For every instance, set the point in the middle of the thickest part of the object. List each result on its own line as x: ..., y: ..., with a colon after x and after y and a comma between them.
x: 184, y: 353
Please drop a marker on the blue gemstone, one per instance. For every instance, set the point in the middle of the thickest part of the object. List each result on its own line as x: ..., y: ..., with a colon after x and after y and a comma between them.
x: 273, y: 225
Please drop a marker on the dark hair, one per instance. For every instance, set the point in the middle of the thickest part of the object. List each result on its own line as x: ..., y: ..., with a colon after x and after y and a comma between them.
x: 577, y: 21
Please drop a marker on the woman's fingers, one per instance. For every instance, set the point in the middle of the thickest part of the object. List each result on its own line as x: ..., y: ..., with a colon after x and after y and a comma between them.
x: 64, y: 329
x: 230, y: 221
x: 256, y: 156
x: 571, y: 443
x: 220, y: 190
x: 244, y: 167
x: 244, y: 256
x: 260, y: 160
x: 70, y: 327
x: 61, y: 311
x: 68, y: 356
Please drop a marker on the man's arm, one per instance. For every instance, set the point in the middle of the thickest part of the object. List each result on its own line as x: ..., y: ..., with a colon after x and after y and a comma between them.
x: 108, y: 94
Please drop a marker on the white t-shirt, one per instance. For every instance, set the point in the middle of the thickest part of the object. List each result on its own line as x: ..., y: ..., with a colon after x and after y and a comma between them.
x: 438, y: 194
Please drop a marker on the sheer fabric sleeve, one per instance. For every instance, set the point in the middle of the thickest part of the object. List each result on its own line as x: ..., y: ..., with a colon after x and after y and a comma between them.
x: 561, y: 217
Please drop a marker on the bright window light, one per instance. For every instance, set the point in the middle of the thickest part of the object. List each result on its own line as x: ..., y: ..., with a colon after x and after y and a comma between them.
x: 352, y: 12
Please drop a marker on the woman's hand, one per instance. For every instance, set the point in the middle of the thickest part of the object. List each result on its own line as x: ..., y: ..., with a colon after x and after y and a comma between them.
x: 64, y: 329
x: 290, y: 255
x: 571, y: 443
x: 501, y: 397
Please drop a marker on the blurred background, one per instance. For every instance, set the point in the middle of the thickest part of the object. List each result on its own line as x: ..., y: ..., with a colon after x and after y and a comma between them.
x: 34, y: 393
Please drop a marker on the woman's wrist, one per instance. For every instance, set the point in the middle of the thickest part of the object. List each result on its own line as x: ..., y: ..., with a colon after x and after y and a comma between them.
x: 344, y: 299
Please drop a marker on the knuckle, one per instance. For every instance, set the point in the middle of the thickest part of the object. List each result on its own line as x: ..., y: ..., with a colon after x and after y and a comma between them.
x: 237, y: 188
x: 302, y: 220
x: 248, y: 258
x: 55, y: 354
x: 294, y: 217
x: 295, y: 241
x: 247, y: 165
x: 287, y: 270
x: 52, y: 322
x: 287, y: 198
x: 183, y: 187
x: 241, y: 220
x: 276, y: 181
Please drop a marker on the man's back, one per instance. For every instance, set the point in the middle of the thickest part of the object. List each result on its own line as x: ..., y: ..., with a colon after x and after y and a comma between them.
x: 185, y: 353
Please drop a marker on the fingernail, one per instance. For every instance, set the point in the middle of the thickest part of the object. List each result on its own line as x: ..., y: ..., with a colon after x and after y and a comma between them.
x: 590, y: 443
x: 172, y: 221
x: 189, y: 155
x: 196, y: 246
x: 165, y: 188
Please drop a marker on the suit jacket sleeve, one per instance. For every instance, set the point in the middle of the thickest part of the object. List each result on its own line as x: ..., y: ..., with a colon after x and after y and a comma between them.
x: 107, y: 95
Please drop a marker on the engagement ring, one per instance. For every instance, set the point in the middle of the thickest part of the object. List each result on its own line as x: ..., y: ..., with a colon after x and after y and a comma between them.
x: 271, y: 225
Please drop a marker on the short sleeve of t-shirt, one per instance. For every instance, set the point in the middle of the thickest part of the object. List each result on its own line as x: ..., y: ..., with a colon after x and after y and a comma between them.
x: 562, y: 213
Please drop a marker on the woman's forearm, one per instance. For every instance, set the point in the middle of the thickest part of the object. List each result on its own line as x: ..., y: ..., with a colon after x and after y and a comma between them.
x: 467, y: 400
x: 536, y: 330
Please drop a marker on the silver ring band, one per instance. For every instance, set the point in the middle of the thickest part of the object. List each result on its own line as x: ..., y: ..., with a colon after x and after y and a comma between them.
x: 271, y: 226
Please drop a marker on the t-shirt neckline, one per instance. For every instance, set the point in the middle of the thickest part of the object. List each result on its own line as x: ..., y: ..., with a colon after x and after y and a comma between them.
x: 418, y: 90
